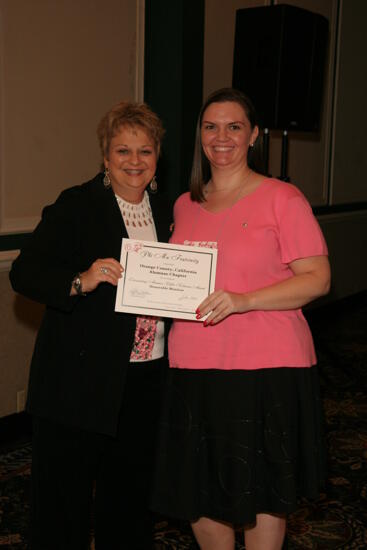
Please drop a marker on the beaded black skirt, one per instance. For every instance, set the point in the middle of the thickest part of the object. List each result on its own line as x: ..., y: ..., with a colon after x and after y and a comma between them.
x: 233, y: 444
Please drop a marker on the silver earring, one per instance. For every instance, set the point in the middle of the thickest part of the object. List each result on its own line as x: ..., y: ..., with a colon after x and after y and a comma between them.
x: 251, y: 144
x: 153, y: 185
x: 106, y: 179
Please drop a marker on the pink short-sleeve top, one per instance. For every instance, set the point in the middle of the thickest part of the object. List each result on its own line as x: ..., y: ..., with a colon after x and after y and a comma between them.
x: 256, y: 238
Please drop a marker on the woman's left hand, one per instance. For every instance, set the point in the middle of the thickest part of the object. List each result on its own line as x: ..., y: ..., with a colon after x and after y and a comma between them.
x: 221, y: 304
x: 311, y: 279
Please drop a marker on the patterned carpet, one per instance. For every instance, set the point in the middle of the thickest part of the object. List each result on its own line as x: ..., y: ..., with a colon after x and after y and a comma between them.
x: 338, y: 520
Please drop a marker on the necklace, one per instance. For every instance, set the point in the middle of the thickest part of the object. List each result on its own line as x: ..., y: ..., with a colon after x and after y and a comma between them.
x: 226, y: 216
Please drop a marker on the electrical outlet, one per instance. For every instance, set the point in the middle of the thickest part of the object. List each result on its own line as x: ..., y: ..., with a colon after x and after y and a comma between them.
x: 20, y: 401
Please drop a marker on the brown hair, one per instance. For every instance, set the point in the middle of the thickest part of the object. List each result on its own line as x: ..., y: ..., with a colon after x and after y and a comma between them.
x: 129, y: 114
x: 200, y: 172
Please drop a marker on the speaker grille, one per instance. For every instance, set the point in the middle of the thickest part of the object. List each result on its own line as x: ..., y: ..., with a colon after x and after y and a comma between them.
x: 279, y: 60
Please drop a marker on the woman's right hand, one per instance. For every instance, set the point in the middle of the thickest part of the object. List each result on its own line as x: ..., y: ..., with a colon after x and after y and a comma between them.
x: 106, y: 270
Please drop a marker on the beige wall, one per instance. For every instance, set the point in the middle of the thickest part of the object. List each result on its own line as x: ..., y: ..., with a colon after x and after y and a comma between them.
x: 63, y: 63
x: 220, y: 19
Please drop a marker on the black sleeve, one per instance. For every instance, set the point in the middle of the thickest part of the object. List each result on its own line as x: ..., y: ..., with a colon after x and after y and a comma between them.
x: 47, y: 264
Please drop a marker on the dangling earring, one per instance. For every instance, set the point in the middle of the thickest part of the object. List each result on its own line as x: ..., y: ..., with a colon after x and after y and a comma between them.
x: 106, y: 179
x: 153, y: 185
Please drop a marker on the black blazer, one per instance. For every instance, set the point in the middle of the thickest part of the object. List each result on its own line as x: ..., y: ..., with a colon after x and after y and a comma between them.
x: 83, y: 346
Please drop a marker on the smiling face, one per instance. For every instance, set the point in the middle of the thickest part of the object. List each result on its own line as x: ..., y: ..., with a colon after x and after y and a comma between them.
x: 132, y: 162
x: 226, y: 135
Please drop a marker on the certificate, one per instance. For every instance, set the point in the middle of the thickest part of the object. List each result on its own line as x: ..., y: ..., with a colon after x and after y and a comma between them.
x: 164, y: 280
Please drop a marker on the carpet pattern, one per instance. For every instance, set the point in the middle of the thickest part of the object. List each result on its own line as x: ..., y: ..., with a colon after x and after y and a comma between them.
x: 338, y: 519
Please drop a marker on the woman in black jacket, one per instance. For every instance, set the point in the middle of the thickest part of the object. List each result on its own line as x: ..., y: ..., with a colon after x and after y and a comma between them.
x: 94, y: 387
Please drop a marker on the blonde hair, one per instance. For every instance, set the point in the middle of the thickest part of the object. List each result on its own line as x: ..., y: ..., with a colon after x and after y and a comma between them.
x: 133, y: 115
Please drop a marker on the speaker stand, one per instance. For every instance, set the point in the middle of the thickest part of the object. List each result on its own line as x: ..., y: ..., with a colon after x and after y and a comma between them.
x: 284, y: 160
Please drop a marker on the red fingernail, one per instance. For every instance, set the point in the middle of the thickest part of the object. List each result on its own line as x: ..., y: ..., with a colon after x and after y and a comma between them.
x: 205, y: 324
x: 198, y: 316
x: 197, y: 311
x: 212, y: 323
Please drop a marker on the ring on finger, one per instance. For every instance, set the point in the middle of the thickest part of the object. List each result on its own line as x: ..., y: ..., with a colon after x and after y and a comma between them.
x: 104, y: 270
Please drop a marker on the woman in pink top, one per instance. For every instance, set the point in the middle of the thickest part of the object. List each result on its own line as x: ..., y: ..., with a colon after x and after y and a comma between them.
x: 241, y: 434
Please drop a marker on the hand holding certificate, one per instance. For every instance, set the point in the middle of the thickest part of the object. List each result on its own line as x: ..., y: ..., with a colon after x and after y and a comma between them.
x: 164, y: 280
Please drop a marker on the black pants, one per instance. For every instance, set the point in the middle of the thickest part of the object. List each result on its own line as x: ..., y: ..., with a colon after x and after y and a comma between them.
x: 72, y: 469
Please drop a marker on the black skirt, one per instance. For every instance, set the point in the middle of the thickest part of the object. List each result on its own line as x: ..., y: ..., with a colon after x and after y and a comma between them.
x: 233, y: 444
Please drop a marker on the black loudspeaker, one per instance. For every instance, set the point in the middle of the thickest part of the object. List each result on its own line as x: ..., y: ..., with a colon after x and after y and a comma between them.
x: 279, y: 60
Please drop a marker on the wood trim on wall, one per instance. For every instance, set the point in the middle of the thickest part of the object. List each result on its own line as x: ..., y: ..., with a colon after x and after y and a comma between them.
x: 6, y: 259
x: 18, y: 225
x: 13, y: 242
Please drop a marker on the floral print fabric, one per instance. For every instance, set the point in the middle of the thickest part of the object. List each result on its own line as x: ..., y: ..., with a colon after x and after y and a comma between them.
x: 145, y: 331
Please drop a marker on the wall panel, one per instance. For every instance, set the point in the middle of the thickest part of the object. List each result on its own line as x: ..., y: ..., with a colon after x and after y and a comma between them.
x: 346, y: 235
x: 63, y: 64
x: 19, y: 321
x: 349, y: 159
